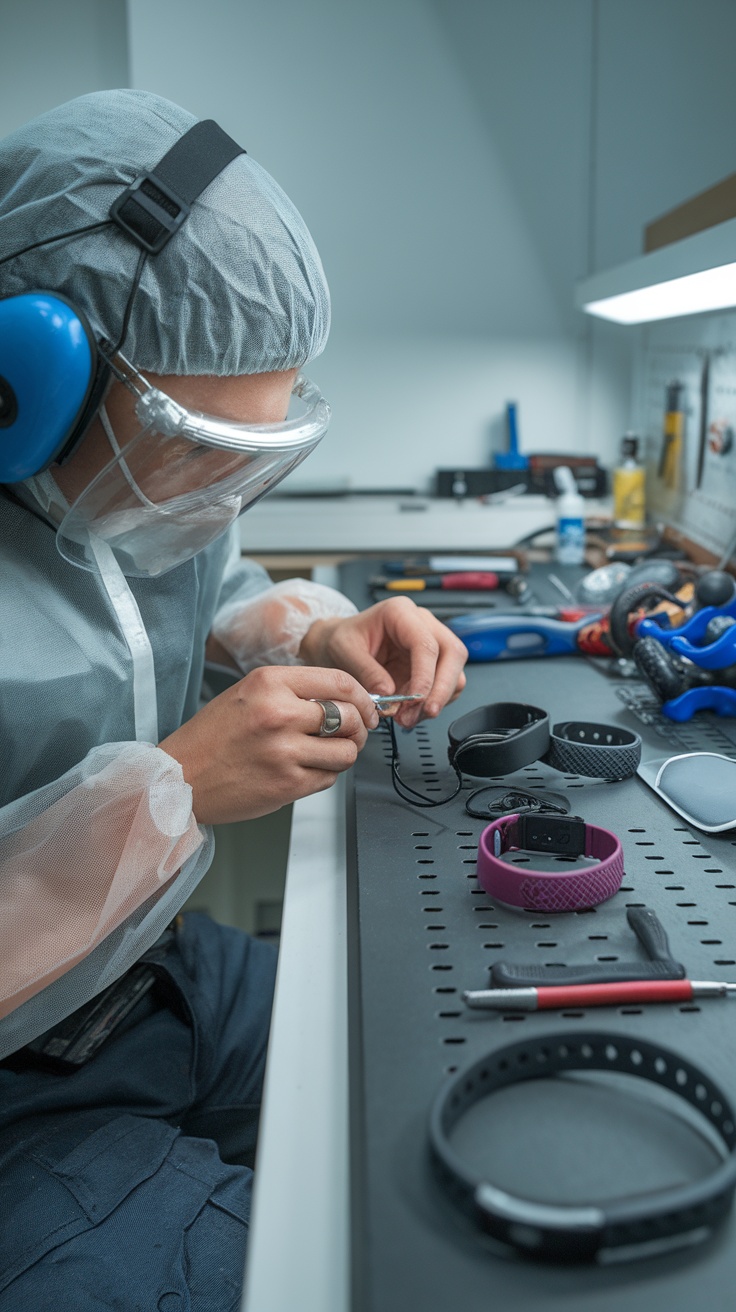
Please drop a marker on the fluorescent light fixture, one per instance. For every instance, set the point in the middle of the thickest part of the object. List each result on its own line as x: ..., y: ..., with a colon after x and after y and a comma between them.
x: 712, y: 289
x: 688, y: 277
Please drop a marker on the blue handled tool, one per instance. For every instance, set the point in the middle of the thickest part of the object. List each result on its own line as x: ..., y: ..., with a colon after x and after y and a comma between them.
x: 717, y: 655
x: 687, y: 638
x: 504, y: 637
x: 708, y: 642
x: 714, y: 697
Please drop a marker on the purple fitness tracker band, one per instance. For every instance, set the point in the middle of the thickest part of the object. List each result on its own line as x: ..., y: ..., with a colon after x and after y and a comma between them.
x: 563, y: 890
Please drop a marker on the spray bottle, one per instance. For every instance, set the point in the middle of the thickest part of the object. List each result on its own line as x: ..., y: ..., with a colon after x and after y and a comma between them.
x: 629, y: 477
x: 570, y: 547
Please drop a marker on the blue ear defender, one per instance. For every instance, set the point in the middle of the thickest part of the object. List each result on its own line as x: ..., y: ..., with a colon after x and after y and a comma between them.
x: 53, y: 377
x: 49, y: 371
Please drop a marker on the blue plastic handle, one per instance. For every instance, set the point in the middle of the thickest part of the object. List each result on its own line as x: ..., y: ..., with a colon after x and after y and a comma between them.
x: 501, y: 637
x: 714, y: 656
x: 686, y: 639
x: 714, y: 698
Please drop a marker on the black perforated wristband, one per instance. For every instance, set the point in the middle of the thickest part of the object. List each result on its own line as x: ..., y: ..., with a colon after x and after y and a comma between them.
x: 600, y: 751
x: 625, y: 1228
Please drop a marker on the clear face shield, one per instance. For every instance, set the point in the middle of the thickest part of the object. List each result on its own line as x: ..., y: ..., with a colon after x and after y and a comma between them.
x: 183, y: 478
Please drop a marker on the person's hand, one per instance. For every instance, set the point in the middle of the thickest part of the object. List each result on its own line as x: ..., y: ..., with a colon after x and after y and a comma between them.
x: 255, y: 747
x: 394, y: 646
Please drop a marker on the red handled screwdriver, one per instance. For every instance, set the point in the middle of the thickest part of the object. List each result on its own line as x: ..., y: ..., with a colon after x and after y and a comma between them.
x: 597, y: 995
x: 469, y: 580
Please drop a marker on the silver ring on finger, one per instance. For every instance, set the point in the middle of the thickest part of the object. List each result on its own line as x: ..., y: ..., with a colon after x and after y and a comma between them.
x: 331, y: 718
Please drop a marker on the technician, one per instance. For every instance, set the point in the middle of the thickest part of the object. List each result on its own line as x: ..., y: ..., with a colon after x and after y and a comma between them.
x: 160, y: 295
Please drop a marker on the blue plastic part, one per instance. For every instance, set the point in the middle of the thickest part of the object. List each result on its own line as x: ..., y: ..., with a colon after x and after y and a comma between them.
x: 657, y: 628
x: 47, y: 358
x: 693, y: 629
x: 685, y: 639
x: 710, y: 698
x: 715, y: 656
x: 511, y: 459
x: 503, y: 637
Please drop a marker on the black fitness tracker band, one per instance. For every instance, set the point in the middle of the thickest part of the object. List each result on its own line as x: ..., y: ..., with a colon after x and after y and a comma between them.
x: 498, y: 739
x: 600, y: 751
x: 614, y: 1231
x: 503, y: 737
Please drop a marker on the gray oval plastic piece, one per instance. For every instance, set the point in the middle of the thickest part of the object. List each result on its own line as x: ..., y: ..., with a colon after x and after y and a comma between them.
x: 699, y: 786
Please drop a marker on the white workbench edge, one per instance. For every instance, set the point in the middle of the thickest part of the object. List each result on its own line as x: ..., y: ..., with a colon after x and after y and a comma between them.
x: 298, y: 1250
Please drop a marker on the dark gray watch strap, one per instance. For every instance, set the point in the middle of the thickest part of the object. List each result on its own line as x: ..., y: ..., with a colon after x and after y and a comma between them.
x: 498, y: 739
x: 599, y: 751
x: 683, y: 1215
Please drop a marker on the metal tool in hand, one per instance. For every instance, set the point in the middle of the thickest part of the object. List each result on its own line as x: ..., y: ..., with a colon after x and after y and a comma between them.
x: 384, y: 701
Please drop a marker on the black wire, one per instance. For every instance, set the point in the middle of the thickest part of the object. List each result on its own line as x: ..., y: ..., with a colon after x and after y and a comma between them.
x: 510, y: 802
x: 60, y: 236
x: 113, y: 350
x: 532, y: 537
x: 79, y: 232
x: 416, y: 799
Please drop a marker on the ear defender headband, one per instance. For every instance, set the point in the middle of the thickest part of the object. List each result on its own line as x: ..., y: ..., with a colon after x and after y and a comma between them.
x: 53, y: 370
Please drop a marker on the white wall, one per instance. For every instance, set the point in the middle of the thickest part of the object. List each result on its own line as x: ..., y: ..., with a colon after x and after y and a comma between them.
x: 446, y: 303
x: 666, y: 116
x: 460, y: 163
x: 53, y: 50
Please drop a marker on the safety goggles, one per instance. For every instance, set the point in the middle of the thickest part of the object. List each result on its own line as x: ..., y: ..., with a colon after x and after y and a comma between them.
x: 183, y: 478
x: 699, y: 786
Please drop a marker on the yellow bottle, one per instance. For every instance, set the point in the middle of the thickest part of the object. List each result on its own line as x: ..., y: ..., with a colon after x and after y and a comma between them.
x: 629, y: 485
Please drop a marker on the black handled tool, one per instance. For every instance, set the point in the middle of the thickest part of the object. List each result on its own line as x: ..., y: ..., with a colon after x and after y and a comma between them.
x: 651, y: 934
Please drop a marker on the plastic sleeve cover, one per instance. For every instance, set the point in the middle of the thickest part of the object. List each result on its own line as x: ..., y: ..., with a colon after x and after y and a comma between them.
x: 268, y: 629
x: 79, y: 856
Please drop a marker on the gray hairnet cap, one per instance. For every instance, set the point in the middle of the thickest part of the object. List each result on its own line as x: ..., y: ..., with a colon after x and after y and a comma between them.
x: 239, y: 289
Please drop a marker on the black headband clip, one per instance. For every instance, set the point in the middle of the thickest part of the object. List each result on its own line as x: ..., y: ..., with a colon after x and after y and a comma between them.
x: 154, y: 207
x: 149, y: 212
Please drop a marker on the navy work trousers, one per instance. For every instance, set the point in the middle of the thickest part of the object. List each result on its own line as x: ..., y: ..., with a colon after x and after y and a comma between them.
x: 126, y: 1185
